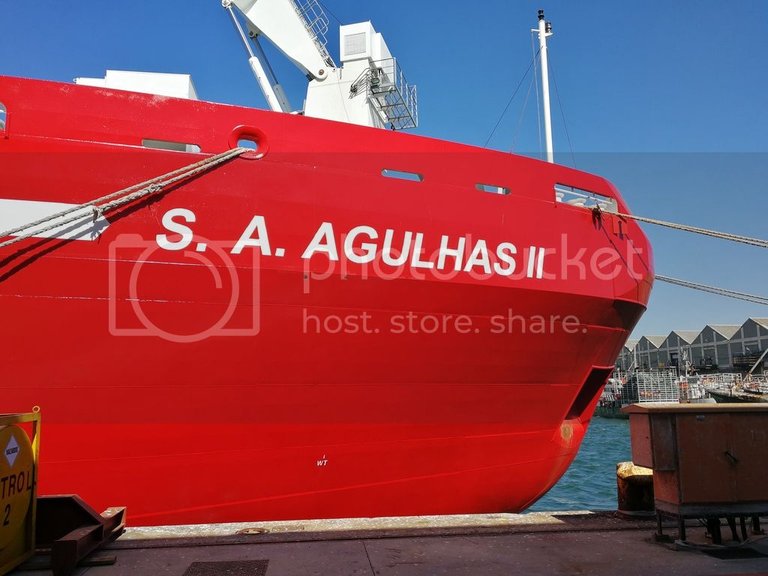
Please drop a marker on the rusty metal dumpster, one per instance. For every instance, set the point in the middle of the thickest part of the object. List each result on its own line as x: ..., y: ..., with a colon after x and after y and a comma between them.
x: 708, y: 460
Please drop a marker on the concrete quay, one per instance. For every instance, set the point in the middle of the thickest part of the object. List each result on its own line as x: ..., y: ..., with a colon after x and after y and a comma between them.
x: 554, y: 543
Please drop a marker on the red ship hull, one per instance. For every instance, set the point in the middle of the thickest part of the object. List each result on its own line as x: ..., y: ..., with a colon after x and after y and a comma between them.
x: 205, y: 384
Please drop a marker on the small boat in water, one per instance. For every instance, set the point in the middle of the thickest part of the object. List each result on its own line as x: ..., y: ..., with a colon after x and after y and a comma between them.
x: 749, y: 389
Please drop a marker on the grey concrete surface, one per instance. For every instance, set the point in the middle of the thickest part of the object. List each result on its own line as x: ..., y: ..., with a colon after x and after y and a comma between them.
x: 543, y: 544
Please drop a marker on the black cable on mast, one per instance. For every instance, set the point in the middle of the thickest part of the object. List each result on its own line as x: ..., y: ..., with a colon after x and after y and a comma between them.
x: 516, y: 133
x: 562, y: 113
x: 517, y: 89
x: 324, y: 7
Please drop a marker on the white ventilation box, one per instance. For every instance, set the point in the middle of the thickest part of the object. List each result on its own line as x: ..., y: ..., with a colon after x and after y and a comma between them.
x: 355, y: 41
x: 359, y: 41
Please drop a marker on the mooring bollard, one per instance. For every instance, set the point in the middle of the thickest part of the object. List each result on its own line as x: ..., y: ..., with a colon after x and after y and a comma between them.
x: 635, y: 489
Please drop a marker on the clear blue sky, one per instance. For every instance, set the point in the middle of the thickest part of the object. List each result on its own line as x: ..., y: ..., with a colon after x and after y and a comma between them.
x: 666, y: 99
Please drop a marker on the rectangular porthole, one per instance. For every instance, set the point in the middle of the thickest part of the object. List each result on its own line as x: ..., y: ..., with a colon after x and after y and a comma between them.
x: 490, y: 188
x: 169, y: 145
x: 584, y: 198
x: 402, y: 175
x: 2, y: 117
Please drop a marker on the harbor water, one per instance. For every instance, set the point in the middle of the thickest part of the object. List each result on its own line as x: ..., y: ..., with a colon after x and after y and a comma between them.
x: 590, y: 482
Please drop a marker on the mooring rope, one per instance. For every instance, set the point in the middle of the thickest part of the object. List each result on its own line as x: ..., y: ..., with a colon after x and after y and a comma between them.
x: 753, y: 298
x: 696, y: 230
x: 121, y: 197
x: 760, y: 243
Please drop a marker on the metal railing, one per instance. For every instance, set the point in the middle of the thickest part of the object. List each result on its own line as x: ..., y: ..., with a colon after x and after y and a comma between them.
x: 316, y: 23
x: 721, y: 378
x: 388, y: 91
x: 656, y: 386
x: 584, y: 198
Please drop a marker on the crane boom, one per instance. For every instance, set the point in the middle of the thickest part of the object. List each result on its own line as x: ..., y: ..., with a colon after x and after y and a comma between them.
x: 286, y: 25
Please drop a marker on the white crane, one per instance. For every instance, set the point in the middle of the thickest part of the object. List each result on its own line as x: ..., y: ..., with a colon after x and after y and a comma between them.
x: 368, y: 88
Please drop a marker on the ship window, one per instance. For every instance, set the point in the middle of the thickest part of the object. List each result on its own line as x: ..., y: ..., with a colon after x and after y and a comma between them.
x: 2, y: 117
x: 169, y: 145
x: 492, y: 189
x: 584, y: 198
x: 401, y: 175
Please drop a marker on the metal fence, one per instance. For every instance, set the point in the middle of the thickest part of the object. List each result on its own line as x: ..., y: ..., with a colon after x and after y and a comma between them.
x: 656, y: 386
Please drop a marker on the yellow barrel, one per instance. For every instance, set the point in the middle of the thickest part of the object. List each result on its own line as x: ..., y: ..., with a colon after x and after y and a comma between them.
x: 17, y: 491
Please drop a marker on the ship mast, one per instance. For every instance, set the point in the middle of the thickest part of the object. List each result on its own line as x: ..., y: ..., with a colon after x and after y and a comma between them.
x: 545, y: 30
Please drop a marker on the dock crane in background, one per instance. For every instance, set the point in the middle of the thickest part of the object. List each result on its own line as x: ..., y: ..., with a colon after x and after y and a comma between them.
x: 368, y: 88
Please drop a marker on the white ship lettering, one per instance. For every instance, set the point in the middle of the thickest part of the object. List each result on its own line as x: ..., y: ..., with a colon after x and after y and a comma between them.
x: 365, y: 244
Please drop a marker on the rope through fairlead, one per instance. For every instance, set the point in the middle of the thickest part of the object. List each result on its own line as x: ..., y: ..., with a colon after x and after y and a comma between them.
x: 121, y: 197
x: 696, y: 230
x: 760, y: 243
